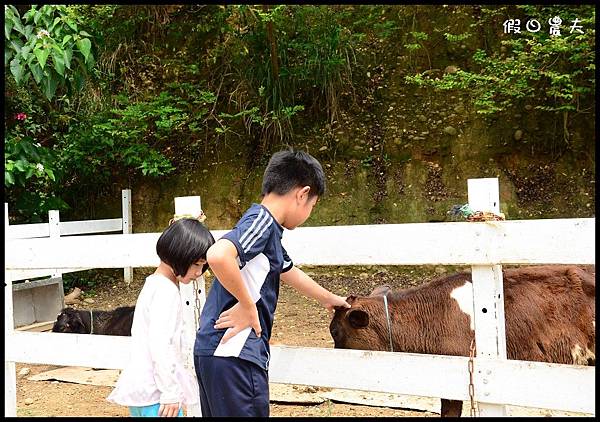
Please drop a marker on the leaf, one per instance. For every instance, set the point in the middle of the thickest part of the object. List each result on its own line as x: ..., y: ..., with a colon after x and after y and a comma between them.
x: 56, y: 20
x: 7, y: 56
x: 25, y: 51
x: 50, y: 174
x: 72, y: 24
x: 49, y: 85
x: 91, y: 62
x: 21, y: 165
x: 29, y: 150
x: 36, y: 71
x: 28, y: 31
x: 16, y: 68
x: 78, y: 78
x: 27, y: 16
x: 84, y: 46
x: 17, y: 26
x: 59, y: 62
x: 8, y: 26
x: 42, y: 55
x: 66, y: 39
x: 16, y: 45
x: 8, y: 179
x: 85, y: 34
x: 12, y: 11
x: 68, y: 54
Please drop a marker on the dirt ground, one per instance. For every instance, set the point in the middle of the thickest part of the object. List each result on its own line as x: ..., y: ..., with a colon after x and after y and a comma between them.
x: 298, y: 322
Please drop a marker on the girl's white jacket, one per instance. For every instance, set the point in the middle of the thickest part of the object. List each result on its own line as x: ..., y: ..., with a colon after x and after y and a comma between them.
x: 155, y: 372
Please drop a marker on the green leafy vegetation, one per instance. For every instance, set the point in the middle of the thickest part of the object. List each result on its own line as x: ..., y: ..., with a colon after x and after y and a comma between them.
x: 47, y: 45
x: 97, y: 95
x: 554, y: 74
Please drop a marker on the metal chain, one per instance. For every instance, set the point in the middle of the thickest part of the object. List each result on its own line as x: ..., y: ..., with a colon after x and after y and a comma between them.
x: 474, y: 410
x: 197, y: 303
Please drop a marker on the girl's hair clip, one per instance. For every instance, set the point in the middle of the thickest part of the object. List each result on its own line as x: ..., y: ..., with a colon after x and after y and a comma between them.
x: 201, y: 217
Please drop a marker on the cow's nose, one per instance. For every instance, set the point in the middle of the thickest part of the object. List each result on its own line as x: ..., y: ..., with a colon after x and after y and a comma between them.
x: 333, y: 332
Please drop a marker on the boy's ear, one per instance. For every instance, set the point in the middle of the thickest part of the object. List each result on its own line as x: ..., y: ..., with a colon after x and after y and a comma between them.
x: 303, y: 192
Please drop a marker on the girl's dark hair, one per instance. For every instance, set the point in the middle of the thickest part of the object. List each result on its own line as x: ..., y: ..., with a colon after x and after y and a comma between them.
x: 184, y: 242
x: 288, y: 169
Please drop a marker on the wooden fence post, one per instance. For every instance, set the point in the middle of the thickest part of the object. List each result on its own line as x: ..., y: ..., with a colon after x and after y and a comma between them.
x: 127, y: 228
x: 190, y: 205
x: 10, y: 371
x: 54, y: 227
x: 488, y: 299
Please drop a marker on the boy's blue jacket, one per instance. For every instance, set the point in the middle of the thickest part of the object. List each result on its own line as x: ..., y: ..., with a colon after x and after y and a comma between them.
x: 261, y: 258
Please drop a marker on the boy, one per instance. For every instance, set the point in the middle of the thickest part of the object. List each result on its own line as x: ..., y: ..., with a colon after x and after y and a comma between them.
x: 248, y: 262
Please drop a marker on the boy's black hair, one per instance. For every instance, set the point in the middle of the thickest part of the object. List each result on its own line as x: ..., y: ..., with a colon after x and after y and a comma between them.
x: 184, y: 242
x: 288, y: 169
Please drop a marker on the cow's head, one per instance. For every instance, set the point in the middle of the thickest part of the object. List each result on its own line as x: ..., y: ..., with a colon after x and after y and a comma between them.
x: 363, y: 325
x: 69, y: 321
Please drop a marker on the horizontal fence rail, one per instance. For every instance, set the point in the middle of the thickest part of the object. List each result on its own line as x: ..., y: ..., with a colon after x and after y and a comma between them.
x: 515, y: 242
x: 27, y: 231
x: 519, y: 383
x: 13, y: 275
x: 67, y: 228
x: 566, y: 241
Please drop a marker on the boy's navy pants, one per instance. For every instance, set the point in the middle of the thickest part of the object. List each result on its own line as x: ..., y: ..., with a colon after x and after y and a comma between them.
x: 230, y: 386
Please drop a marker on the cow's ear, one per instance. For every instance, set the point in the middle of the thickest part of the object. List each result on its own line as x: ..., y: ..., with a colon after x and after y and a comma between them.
x: 381, y: 290
x: 358, y: 318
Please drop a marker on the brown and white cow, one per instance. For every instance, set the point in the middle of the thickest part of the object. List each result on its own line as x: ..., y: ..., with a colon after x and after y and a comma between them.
x: 549, y: 311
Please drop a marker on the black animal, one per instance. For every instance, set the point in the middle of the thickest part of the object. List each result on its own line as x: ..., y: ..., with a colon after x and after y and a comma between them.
x: 116, y: 322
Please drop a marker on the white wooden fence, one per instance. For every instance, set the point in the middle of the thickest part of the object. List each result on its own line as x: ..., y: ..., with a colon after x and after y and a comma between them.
x: 485, y: 245
x: 55, y: 228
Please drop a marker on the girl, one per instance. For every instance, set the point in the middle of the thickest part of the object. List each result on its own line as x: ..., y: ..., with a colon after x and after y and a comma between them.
x: 155, y: 382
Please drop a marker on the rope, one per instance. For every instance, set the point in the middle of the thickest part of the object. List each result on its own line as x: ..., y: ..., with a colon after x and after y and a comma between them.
x: 200, y: 217
x: 389, y: 324
x: 91, y: 322
x: 465, y: 211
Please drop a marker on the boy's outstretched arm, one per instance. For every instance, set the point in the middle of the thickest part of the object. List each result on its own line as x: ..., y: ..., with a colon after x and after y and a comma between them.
x: 300, y: 281
x: 221, y: 258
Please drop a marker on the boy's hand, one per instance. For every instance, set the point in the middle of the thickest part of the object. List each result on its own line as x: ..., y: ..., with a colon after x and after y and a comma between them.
x: 237, y: 318
x: 333, y: 300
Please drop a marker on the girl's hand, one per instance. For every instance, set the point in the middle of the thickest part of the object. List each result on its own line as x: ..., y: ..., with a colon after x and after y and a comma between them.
x: 169, y: 410
x: 237, y: 318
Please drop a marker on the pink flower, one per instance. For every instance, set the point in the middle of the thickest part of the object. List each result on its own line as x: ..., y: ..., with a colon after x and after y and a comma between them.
x: 21, y: 116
